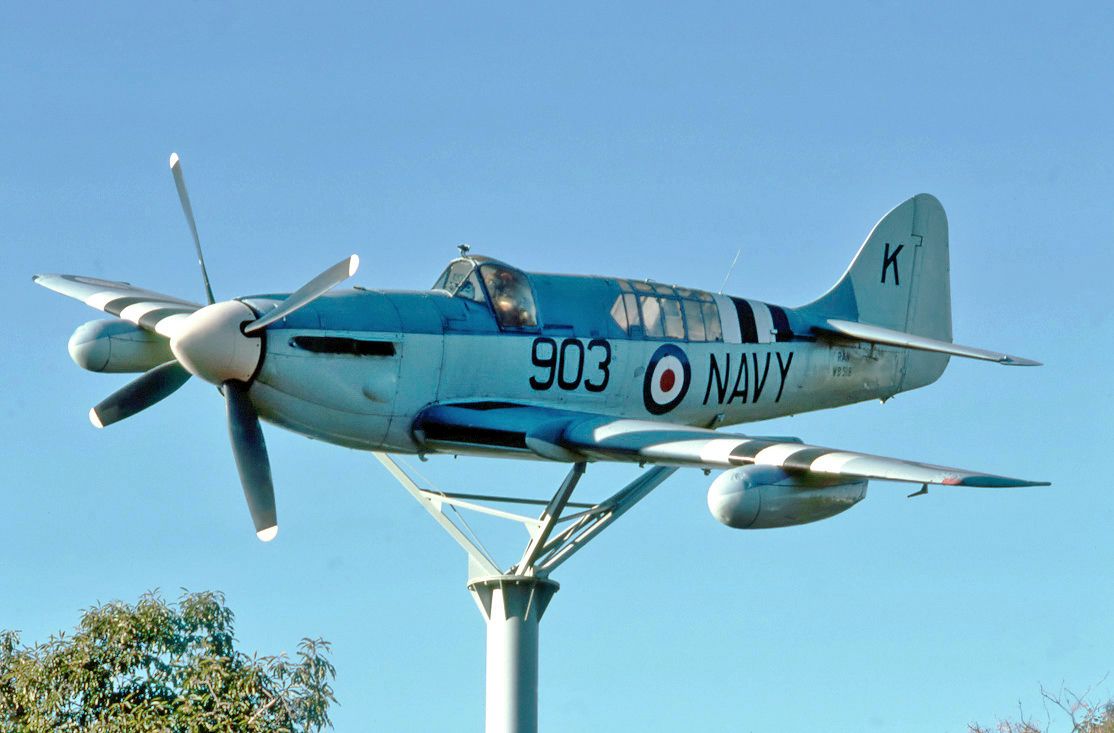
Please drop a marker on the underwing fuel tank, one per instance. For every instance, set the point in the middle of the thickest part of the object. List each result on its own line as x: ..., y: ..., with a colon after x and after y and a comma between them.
x: 117, y: 346
x: 762, y: 497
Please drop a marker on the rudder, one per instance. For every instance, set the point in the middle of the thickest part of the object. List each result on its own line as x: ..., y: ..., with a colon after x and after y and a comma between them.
x: 900, y: 280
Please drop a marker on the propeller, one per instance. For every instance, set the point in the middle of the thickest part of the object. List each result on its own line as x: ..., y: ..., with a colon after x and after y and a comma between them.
x: 184, y: 198
x: 222, y: 343
x: 250, y: 451
x: 139, y: 394
x: 308, y: 293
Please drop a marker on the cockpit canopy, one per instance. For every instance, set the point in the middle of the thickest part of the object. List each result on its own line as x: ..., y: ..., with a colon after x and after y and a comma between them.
x: 485, y: 280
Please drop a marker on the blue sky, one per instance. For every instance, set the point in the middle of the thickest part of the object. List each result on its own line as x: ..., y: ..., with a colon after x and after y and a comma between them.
x: 644, y: 140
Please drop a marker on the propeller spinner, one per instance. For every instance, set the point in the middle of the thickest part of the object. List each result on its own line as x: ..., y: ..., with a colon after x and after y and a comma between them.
x: 222, y: 343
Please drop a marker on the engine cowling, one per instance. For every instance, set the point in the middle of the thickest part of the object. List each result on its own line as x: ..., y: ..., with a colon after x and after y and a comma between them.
x: 761, y: 497
x: 117, y: 346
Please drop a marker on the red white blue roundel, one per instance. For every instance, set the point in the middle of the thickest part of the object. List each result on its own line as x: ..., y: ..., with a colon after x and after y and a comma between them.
x: 667, y: 379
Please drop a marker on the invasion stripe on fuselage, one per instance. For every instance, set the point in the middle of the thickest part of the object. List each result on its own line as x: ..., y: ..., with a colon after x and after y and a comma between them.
x: 747, y: 325
x: 781, y: 323
x: 758, y: 322
x: 728, y: 320
x: 763, y: 321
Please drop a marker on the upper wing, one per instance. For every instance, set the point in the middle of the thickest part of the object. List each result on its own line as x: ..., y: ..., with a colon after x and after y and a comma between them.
x: 145, y: 308
x: 566, y: 435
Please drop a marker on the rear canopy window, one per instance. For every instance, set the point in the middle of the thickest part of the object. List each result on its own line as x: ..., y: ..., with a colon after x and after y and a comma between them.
x: 654, y: 310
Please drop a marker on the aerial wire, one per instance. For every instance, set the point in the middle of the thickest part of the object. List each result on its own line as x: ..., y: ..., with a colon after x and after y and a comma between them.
x: 730, y: 270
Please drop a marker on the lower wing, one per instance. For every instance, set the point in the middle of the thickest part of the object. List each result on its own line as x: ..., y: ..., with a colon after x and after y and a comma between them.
x: 541, y: 432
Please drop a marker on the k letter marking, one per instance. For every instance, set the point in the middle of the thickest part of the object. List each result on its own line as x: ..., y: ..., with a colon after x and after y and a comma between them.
x: 889, y: 259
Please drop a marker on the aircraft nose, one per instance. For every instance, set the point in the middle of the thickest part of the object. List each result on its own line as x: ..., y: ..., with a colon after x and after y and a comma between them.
x: 210, y: 343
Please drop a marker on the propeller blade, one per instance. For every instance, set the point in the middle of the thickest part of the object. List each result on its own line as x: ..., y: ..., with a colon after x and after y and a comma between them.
x: 184, y: 197
x: 250, y: 451
x: 308, y: 293
x: 139, y: 394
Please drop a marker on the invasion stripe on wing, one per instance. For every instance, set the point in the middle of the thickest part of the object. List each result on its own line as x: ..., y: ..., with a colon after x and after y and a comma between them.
x: 777, y: 455
x: 118, y: 305
x: 151, y: 319
x: 645, y: 441
x: 747, y: 449
x: 802, y: 460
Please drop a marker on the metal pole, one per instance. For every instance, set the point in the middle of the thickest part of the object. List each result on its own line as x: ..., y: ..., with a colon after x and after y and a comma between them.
x: 512, y: 603
x: 512, y: 606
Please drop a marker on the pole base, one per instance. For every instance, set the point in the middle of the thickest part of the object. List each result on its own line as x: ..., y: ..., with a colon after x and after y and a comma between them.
x: 512, y: 606
x: 522, y: 595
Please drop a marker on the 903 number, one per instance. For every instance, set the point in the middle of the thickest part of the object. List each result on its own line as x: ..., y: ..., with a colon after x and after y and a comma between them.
x: 564, y: 364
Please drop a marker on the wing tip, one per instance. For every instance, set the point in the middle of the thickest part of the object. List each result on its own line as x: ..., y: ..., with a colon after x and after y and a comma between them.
x: 267, y: 534
x: 1008, y: 360
x: 1000, y: 482
x: 174, y: 159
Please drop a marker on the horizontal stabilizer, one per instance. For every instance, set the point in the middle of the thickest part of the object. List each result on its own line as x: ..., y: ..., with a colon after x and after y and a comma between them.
x: 889, y: 337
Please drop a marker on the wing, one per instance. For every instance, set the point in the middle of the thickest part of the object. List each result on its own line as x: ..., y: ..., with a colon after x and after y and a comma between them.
x: 145, y: 308
x: 570, y: 436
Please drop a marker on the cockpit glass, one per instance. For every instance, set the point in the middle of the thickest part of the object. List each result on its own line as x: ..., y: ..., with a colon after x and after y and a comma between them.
x: 511, y: 296
x: 455, y: 274
x: 471, y: 289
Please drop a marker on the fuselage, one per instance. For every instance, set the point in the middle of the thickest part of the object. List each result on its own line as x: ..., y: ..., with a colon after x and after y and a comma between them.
x: 355, y: 367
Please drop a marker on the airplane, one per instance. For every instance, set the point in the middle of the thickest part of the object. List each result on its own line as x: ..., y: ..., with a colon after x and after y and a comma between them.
x: 495, y: 361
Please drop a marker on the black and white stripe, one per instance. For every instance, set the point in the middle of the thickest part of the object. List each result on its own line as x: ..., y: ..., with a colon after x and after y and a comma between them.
x: 744, y: 321
x: 567, y: 435
x: 145, y: 308
x: 651, y: 442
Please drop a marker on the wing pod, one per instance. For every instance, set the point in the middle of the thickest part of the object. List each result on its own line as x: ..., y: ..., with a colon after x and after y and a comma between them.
x: 117, y: 346
x: 763, y: 497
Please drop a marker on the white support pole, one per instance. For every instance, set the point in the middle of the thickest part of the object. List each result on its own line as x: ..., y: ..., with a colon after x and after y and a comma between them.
x: 512, y: 603
x: 476, y: 554
x: 512, y: 606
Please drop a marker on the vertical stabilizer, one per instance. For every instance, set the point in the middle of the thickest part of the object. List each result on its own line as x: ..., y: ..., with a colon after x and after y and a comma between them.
x: 900, y: 280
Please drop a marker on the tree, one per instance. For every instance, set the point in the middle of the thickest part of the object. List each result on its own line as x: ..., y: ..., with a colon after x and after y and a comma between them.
x: 155, y: 666
x: 1083, y: 715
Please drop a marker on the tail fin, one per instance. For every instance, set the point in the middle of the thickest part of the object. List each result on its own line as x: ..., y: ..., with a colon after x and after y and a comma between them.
x: 900, y: 280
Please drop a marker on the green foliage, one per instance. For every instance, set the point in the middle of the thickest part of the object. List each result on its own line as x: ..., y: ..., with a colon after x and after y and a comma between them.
x: 155, y: 666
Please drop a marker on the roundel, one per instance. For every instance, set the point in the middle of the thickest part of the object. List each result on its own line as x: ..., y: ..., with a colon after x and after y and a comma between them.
x: 667, y: 379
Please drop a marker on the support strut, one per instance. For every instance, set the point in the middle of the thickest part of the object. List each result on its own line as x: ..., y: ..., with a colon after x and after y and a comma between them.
x: 512, y: 602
